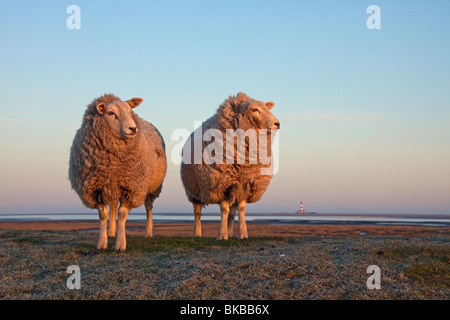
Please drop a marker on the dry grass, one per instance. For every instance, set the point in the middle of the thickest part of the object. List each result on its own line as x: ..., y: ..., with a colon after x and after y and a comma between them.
x: 33, y: 266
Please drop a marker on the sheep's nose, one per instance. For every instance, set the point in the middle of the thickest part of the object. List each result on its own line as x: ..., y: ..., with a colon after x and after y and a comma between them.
x: 133, y: 129
x: 277, y: 124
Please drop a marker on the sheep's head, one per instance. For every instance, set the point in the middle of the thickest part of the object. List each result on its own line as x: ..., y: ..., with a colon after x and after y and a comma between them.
x: 118, y: 117
x: 259, y: 115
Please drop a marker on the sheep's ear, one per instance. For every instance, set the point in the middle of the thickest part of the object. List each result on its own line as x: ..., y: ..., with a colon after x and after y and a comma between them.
x: 269, y: 105
x: 135, y: 102
x: 101, y: 107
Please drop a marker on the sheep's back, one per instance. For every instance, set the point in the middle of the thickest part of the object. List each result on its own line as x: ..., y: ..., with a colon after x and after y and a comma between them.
x: 156, y: 156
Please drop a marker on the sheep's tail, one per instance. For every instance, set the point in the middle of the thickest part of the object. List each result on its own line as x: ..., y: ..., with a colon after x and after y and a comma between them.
x: 233, y: 192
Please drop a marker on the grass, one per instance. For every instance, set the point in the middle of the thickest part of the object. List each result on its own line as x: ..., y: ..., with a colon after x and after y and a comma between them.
x: 33, y: 265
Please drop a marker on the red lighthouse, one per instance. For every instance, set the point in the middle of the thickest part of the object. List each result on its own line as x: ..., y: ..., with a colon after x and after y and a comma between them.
x: 301, y: 208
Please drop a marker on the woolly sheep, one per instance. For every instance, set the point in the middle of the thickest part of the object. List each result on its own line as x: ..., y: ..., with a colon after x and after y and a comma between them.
x: 117, y: 157
x: 232, y: 185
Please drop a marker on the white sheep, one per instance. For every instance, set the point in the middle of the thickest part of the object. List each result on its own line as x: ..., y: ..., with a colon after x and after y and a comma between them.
x: 117, y: 158
x: 232, y: 185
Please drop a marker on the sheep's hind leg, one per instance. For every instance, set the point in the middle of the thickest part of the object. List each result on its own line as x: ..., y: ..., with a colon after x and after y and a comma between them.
x: 242, y: 224
x: 223, y: 231
x: 231, y: 220
x: 112, y: 220
x: 121, y: 241
x: 103, y: 237
x: 197, y: 223
x: 149, y: 209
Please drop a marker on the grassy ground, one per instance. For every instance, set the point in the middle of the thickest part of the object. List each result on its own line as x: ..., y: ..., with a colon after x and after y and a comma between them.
x: 33, y: 266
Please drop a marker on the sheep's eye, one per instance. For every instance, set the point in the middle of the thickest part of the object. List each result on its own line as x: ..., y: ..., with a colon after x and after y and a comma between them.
x: 112, y: 114
x: 255, y: 110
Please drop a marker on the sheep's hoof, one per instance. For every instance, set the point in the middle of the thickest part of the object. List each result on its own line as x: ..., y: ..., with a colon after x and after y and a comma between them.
x: 243, y: 235
x: 100, y: 250
x: 221, y: 238
x: 120, y: 246
x: 101, y: 246
x: 197, y: 234
x: 148, y: 236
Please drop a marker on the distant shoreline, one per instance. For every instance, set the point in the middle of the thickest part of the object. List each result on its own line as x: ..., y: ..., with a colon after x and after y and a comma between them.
x: 255, y: 228
x: 94, y: 212
x: 422, y: 220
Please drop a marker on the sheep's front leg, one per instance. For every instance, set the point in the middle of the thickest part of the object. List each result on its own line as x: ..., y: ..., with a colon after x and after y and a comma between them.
x: 149, y: 209
x: 112, y: 220
x: 242, y: 224
x: 121, y: 241
x: 223, y: 231
x: 231, y: 220
x: 103, y: 237
x: 197, y: 223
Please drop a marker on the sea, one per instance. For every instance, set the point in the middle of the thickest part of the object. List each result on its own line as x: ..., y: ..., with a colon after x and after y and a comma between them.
x: 416, y: 219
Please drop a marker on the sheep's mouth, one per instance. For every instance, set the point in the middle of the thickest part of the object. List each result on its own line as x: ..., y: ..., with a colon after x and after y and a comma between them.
x: 129, y: 135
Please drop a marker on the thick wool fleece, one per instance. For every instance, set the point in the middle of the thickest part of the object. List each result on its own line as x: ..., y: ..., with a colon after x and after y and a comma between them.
x: 212, y: 183
x: 105, y: 170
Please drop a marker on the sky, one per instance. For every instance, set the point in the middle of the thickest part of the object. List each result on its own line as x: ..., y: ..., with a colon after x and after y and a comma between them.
x: 364, y: 113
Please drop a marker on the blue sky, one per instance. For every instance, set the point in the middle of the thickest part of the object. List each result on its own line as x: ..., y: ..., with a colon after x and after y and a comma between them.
x: 364, y: 113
